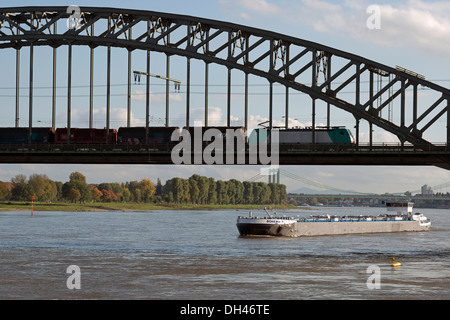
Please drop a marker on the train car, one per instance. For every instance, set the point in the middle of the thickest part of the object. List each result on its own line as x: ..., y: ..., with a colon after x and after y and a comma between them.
x: 136, y: 135
x: 22, y: 135
x: 86, y: 136
x: 295, y: 136
x: 161, y: 135
x: 131, y: 135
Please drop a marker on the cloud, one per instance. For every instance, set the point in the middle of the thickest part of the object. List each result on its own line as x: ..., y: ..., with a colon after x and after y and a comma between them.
x: 118, y: 118
x: 262, y: 7
x: 245, y: 9
x: 378, y: 137
x: 424, y: 26
x: 418, y: 24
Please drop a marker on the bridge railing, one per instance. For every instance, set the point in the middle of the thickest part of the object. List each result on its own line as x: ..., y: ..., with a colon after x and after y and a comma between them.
x: 167, y: 147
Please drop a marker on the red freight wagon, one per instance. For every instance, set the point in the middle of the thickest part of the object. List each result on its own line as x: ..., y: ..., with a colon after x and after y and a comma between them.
x: 82, y: 135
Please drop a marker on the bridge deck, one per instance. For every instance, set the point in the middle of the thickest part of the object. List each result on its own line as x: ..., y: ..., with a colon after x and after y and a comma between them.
x: 162, y: 154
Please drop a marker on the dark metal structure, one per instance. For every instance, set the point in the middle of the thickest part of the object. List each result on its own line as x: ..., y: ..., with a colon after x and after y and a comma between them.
x: 314, y: 69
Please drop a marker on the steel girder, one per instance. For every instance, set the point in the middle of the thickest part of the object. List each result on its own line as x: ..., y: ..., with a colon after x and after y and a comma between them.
x: 292, y: 62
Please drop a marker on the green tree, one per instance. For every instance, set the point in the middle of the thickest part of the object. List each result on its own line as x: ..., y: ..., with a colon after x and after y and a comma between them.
x: 135, y: 191
x: 126, y: 195
x: 248, y: 192
x: 257, y: 192
x: 265, y: 197
x: 42, y: 188
x: 212, y: 192
x: 159, y: 188
x: 78, y: 182
x: 275, y: 196
x: 169, y: 198
x: 238, y: 191
x: 194, y: 190
x: 20, y: 191
x: 186, y: 191
x: 137, y: 194
x: 178, y: 189
x: 77, y: 176
x: 222, y: 192
x: 203, y: 186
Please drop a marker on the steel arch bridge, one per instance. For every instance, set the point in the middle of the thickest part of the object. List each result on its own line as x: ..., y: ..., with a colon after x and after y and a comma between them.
x: 316, y: 70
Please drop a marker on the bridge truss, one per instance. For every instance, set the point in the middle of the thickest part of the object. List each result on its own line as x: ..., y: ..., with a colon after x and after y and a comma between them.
x: 323, y: 73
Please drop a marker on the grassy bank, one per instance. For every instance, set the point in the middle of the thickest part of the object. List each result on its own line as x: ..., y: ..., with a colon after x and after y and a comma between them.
x: 63, y: 206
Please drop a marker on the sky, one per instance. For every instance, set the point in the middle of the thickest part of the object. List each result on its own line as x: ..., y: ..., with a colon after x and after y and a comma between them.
x: 414, y: 34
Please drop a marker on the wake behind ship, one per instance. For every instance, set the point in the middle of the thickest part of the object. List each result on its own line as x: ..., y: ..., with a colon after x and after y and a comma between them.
x: 402, y: 221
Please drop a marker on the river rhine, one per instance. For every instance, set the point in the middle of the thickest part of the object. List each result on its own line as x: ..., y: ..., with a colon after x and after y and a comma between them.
x: 174, y: 255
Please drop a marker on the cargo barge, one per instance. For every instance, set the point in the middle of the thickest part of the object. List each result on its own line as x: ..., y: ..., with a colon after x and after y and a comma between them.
x: 401, y: 221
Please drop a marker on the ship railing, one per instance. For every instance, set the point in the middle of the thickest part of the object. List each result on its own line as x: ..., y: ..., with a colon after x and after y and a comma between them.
x: 359, y: 218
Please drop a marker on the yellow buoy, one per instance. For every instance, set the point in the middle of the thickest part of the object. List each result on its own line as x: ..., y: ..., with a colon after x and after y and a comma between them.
x: 395, y: 264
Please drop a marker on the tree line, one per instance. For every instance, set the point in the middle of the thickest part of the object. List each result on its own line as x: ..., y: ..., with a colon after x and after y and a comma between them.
x: 194, y: 190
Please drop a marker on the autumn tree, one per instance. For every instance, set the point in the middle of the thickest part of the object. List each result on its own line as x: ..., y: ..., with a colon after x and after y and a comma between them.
x: 96, y: 194
x: 147, y: 188
x: 74, y: 195
x: 108, y: 196
x: 5, y: 191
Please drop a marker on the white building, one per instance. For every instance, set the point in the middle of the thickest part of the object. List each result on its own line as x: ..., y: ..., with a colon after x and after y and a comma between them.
x: 426, y: 190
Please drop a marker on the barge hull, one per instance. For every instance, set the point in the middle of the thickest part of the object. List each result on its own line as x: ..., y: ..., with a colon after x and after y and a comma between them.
x: 255, y: 229
x: 340, y: 228
x: 309, y: 229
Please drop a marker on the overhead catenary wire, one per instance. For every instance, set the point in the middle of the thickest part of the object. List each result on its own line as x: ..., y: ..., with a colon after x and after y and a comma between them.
x: 306, y: 181
x: 163, y: 85
x: 322, y: 186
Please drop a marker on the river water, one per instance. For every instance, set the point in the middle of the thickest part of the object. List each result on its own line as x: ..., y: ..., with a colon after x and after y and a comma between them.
x: 198, y: 255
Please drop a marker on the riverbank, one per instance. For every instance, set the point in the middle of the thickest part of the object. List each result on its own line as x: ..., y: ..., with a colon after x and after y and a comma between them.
x: 92, y: 207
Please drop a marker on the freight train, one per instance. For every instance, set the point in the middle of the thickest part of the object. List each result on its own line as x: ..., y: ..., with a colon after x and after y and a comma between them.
x: 162, y: 135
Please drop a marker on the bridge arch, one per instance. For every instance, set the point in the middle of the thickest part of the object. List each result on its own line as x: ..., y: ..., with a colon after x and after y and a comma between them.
x: 291, y: 62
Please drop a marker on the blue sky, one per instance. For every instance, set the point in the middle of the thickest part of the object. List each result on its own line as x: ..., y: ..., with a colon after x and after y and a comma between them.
x: 414, y: 34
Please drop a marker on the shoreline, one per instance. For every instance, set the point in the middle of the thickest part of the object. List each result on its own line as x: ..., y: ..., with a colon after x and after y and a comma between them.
x: 102, y: 207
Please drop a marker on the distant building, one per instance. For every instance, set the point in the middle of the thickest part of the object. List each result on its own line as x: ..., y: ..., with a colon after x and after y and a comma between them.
x: 426, y: 190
